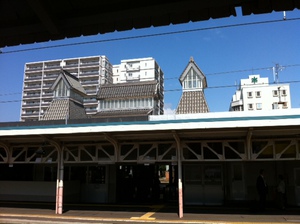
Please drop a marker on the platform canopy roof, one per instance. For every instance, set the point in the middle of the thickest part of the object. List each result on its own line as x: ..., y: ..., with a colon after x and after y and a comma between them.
x: 275, y: 124
x: 32, y: 21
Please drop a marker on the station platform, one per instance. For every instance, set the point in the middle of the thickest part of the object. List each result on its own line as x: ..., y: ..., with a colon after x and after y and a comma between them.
x: 17, y: 212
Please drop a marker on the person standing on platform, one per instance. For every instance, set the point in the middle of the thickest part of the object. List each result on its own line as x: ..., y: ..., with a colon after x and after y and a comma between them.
x: 262, y: 190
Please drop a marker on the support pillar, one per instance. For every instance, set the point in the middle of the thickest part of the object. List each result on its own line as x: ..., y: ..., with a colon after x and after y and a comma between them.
x: 8, y: 151
x: 248, y: 142
x: 180, y: 191
x: 59, y: 183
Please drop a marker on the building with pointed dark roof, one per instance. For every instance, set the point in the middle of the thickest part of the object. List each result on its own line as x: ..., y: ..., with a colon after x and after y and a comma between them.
x: 193, y: 82
x: 68, y: 99
x: 140, y: 98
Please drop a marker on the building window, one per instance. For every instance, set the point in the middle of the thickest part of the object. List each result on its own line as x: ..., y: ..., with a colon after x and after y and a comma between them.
x: 275, y: 106
x: 275, y: 93
x: 258, y: 106
x: 249, y: 94
x: 192, y: 80
x: 250, y: 106
x: 258, y: 95
x: 283, y: 92
x: 61, y: 90
x: 131, y: 103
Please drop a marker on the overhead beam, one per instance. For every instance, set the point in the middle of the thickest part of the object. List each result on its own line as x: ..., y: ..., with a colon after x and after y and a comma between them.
x: 44, y: 16
x: 34, y: 21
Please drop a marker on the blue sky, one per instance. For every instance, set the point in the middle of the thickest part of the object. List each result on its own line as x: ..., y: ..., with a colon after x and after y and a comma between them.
x: 220, y: 50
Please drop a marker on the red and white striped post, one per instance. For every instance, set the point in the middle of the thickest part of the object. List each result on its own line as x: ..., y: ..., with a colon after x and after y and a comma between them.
x: 59, y: 183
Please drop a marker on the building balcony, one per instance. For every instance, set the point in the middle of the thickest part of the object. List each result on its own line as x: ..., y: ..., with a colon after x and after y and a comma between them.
x: 132, y: 68
x: 36, y: 104
x: 89, y: 73
x: 47, y: 85
x: 89, y: 63
x: 31, y: 96
x: 33, y: 87
x: 29, y: 114
x: 47, y: 95
x: 34, y: 68
x: 51, y: 76
x: 71, y: 65
x: 132, y: 77
x: 32, y: 83
x: 33, y: 78
x: 236, y: 103
x: 50, y: 67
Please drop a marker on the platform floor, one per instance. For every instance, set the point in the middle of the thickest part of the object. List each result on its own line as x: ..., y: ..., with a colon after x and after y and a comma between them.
x: 17, y: 212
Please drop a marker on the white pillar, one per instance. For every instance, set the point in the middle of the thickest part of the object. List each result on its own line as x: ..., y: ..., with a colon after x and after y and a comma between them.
x: 180, y: 191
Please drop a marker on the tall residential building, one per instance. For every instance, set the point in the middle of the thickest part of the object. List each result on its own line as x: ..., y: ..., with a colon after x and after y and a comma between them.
x: 193, y: 82
x: 92, y: 72
x: 255, y: 93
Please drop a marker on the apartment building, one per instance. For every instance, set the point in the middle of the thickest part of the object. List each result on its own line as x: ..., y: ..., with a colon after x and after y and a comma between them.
x: 144, y: 71
x: 92, y: 72
x: 256, y: 93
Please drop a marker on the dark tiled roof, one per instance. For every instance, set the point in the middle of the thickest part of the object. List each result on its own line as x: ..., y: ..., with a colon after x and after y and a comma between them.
x: 61, y: 109
x: 71, y: 80
x: 192, y: 102
x: 74, y: 82
x: 123, y: 113
x: 128, y: 90
x: 77, y: 110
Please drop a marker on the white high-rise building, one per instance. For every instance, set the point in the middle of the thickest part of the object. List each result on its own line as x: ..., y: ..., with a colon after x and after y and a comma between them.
x: 138, y: 69
x: 255, y: 93
x: 92, y: 72
x: 141, y: 70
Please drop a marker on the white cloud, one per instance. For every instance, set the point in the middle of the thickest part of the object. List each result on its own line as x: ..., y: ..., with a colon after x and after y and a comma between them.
x: 168, y: 109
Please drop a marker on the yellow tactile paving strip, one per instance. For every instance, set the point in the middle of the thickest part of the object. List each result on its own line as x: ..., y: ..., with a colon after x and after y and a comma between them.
x: 148, y: 215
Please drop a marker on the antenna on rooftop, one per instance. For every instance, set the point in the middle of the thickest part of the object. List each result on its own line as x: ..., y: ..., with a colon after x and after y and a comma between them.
x: 284, y: 15
x: 276, y: 69
x: 236, y: 85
